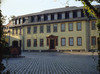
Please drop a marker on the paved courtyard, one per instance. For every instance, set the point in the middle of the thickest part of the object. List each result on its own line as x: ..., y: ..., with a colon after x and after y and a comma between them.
x: 52, y: 63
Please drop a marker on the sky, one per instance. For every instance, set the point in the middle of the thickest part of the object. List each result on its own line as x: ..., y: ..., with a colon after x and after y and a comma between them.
x: 22, y: 7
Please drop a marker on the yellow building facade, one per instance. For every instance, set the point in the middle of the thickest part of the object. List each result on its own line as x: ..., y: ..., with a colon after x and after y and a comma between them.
x: 62, y: 29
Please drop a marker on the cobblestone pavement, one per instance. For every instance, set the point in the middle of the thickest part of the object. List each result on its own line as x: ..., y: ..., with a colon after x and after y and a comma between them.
x: 52, y: 63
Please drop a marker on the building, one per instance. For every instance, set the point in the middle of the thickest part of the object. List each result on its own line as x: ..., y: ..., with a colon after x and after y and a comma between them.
x: 62, y: 29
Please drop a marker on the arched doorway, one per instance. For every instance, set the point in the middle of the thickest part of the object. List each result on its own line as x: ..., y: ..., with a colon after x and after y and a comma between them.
x: 52, y: 41
x: 15, y: 43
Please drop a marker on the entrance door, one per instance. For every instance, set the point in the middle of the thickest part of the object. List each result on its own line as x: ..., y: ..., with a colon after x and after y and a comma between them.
x: 15, y: 43
x: 52, y: 44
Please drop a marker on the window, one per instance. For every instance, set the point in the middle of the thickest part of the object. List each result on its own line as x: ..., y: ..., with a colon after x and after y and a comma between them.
x: 28, y: 42
x: 79, y: 41
x: 16, y: 31
x: 70, y: 14
x: 71, y: 41
x: 63, y: 15
x: 49, y: 17
x: 42, y: 18
x: 41, y: 42
x: 48, y: 29
x: 55, y: 28
x: 12, y: 31
x: 70, y: 26
x: 28, y: 30
x: 93, y: 25
x: 93, y: 40
x: 35, y: 29
x: 78, y: 13
x: 41, y: 29
x: 63, y: 41
x: 79, y: 26
x: 55, y: 16
x: 20, y: 32
x: 62, y: 27
x: 35, y: 43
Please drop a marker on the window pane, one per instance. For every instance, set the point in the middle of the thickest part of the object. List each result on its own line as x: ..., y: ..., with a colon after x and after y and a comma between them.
x: 28, y: 30
x: 29, y: 43
x: 79, y: 41
x: 62, y: 27
x: 41, y: 29
x: 55, y: 16
x: 70, y: 27
x: 63, y: 41
x: 78, y: 13
x: 35, y: 29
x: 41, y: 42
x: 71, y: 15
x: 55, y: 28
x: 48, y: 28
x: 49, y: 17
x: 78, y: 26
x: 63, y: 15
x: 93, y: 40
x: 93, y: 25
x: 71, y: 43
x: 35, y: 42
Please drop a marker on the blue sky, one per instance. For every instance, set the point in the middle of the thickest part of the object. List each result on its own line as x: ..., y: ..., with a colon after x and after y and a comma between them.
x: 22, y: 7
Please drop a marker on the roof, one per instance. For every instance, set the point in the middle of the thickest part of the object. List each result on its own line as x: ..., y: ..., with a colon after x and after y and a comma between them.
x: 56, y: 10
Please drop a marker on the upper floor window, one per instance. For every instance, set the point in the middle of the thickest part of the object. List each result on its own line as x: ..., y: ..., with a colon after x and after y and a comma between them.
x: 70, y: 14
x: 93, y: 27
x: 48, y: 28
x: 79, y: 41
x: 32, y: 18
x: 41, y: 42
x: 49, y: 17
x: 71, y: 41
x: 62, y: 27
x: 42, y: 18
x: 63, y: 15
x: 70, y: 26
x: 55, y: 28
x: 52, y: 16
x: 79, y: 26
x: 35, y: 43
x: 93, y: 40
x: 16, y: 31
x: 12, y: 31
x: 59, y: 16
x: 78, y: 13
x: 35, y: 29
x: 28, y: 42
x: 28, y: 30
x: 55, y: 16
x: 41, y: 29
x: 63, y: 41
x: 20, y: 32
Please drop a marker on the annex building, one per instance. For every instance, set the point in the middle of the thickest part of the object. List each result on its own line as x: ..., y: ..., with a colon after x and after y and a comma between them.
x: 61, y: 29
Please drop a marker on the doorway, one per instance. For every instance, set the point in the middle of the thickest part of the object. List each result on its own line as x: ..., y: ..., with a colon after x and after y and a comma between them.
x: 52, y: 46
x: 15, y: 43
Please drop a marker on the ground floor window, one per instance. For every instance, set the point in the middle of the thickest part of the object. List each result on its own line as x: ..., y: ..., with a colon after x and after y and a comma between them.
x: 93, y: 40
x: 63, y: 41
x: 79, y: 41
x: 71, y: 41
x: 35, y: 43
x: 41, y: 42
x: 28, y: 42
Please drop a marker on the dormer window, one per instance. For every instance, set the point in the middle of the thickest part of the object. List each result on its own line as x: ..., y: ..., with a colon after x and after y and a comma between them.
x: 49, y: 17
x: 70, y: 14
x: 55, y: 16
x: 78, y: 13
x: 42, y: 18
x: 63, y: 15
